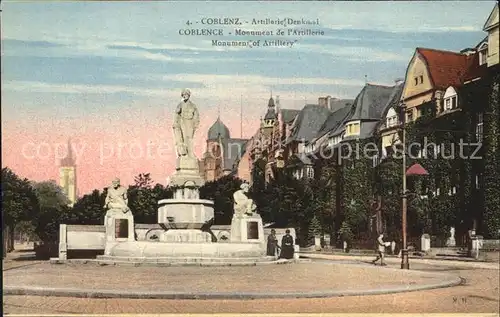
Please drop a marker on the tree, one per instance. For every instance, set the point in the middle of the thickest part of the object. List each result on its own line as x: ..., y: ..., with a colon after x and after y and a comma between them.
x: 88, y: 210
x: 491, y: 216
x: 19, y: 201
x: 143, y: 180
x: 314, y: 229
x: 143, y: 198
x: 53, y: 210
x: 221, y: 193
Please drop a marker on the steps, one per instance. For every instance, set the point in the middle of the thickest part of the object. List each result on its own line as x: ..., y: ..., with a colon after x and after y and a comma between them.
x: 184, y: 261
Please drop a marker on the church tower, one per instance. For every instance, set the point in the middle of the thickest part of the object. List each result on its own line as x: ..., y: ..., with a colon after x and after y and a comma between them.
x: 67, y: 175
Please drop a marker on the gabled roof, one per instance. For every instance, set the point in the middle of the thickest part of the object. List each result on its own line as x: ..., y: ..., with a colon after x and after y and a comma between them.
x: 335, y: 119
x: 446, y: 68
x: 492, y: 20
x: 308, y: 123
x: 337, y: 104
x: 289, y: 115
x: 474, y: 70
x: 371, y: 101
x: 393, y: 103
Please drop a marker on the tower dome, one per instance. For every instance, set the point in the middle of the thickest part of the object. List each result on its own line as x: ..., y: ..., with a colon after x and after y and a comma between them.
x: 218, y: 129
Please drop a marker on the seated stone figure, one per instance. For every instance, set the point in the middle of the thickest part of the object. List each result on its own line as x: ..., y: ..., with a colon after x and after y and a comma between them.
x: 116, y: 199
x: 242, y: 204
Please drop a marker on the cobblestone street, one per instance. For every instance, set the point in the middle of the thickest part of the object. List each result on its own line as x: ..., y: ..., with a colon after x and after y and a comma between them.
x: 480, y: 293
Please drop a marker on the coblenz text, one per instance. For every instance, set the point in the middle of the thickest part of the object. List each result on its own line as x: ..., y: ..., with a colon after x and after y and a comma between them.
x: 221, y: 21
x: 206, y: 32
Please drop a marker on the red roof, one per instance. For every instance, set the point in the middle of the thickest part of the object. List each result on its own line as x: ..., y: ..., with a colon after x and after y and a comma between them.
x: 474, y: 70
x: 416, y: 169
x: 449, y: 68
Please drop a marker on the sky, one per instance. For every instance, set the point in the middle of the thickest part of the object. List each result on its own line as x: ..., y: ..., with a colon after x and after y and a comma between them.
x: 108, y: 75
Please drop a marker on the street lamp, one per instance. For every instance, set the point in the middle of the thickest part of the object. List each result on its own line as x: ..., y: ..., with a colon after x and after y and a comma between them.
x: 405, y: 264
x: 415, y: 169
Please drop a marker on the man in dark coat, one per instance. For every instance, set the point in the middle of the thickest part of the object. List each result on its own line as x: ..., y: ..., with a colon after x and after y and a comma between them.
x: 272, y: 244
x: 287, y: 246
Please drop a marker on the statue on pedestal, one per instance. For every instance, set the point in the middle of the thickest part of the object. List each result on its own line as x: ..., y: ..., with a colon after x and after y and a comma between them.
x: 243, y: 206
x: 451, y: 240
x: 116, y: 199
x: 186, y: 122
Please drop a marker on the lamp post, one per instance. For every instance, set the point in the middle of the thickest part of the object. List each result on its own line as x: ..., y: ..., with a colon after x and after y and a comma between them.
x: 405, y: 264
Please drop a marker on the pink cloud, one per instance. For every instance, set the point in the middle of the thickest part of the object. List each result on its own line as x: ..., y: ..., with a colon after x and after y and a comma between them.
x: 106, y: 147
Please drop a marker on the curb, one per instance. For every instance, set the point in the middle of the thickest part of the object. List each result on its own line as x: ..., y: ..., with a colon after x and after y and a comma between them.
x: 68, y: 292
x: 94, y: 293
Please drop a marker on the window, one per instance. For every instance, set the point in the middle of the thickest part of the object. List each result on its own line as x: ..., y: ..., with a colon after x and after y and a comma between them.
x: 416, y: 81
x: 421, y: 79
x: 310, y: 172
x: 450, y: 103
x: 392, y: 121
x: 454, y: 102
x: 479, y: 127
x: 483, y: 56
x: 409, y: 116
x: 353, y: 128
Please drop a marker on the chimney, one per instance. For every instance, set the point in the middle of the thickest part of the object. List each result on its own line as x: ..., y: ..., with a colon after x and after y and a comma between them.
x: 322, y: 102
x: 328, y: 101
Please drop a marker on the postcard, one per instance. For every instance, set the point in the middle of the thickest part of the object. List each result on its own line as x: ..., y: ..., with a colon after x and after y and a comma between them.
x: 228, y: 158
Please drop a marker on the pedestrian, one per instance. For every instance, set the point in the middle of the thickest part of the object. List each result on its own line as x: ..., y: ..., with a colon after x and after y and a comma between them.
x: 287, y: 246
x: 381, y: 249
x: 272, y: 243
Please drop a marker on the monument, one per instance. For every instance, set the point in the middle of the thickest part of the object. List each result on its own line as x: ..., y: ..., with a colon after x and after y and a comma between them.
x: 185, y: 218
x: 451, y: 240
x: 119, y: 221
x: 246, y: 224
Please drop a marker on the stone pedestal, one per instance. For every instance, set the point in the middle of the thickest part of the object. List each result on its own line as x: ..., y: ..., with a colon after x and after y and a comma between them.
x: 186, y: 235
x: 63, y: 242
x: 119, y: 226
x: 317, y: 243
x: 425, y: 242
x: 187, y: 173
x: 451, y: 240
x: 185, y: 213
x: 476, y: 245
x: 247, y: 229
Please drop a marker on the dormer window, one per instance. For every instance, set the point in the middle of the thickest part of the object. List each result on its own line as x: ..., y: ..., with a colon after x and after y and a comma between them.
x: 353, y: 128
x: 483, y: 53
x: 450, y: 103
x: 450, y: 99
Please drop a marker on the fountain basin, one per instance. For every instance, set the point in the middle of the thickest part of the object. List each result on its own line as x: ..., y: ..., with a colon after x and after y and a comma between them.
x: 148, y: 249
x: 185, y: 213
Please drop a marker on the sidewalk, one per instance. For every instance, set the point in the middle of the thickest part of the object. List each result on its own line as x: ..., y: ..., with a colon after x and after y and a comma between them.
x: 396, y: 260
x: 486, y: 257
x: 23, y: 255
